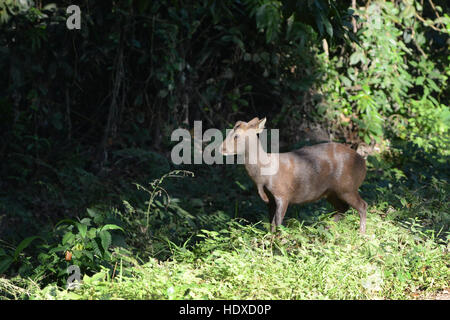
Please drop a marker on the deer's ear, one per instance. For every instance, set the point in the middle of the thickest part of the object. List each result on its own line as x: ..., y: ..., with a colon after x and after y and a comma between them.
x: 253, y: 122
x: 238, y: 124
x: 260, y: 125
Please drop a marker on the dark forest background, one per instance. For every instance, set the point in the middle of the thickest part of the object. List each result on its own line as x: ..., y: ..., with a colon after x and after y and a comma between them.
x: 86, y: 115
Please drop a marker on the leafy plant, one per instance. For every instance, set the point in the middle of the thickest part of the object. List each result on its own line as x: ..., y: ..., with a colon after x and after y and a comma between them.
x: 9, y: 256
x: 87, y: 243
x: 384, y: 88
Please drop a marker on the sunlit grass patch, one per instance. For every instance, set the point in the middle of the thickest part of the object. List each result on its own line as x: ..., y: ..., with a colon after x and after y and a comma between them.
x: 391, y: 261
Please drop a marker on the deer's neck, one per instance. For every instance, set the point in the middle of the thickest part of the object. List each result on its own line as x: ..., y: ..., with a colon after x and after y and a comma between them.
x: 256, y: 158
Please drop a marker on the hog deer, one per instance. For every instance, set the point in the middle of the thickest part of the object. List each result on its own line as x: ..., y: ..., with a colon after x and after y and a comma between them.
x: 327, y: 170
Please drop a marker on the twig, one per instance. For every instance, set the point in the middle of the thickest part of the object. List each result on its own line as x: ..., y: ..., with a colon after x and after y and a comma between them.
x: 114, y: 271
x: 436, y: 12
x: 413, y: 33
x: 429, y: 25
x: 355, y: 29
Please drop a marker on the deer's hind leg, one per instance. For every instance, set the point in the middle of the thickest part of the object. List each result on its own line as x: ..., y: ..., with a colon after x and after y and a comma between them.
x: 356, y: 202
x: 339, y: 205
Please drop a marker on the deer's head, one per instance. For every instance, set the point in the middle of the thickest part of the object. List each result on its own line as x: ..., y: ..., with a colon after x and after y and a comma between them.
x: 242, y: 131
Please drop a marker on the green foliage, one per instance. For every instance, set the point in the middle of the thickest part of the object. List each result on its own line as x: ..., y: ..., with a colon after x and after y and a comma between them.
x: 151, y: 228
x: 87, y: 243
x: 301, y: 262
x: 157, y: 190
x: 86, y: 114
x: 9, y: 8
x: 403, y: 255
x: 385, y: 87
x: 8, y: 257
x: 327, y: 18
x: 413, y: 182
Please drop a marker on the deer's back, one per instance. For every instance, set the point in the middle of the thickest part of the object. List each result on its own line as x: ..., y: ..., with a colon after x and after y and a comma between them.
x: 309, y: 173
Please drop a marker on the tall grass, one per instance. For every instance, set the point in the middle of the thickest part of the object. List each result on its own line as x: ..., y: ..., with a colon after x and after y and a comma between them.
x: 326, y: 260
x: 191, y: 248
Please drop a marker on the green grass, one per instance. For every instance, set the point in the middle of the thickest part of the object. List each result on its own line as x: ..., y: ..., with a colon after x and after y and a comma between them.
x: 199, y: 246
x: 301, y: 262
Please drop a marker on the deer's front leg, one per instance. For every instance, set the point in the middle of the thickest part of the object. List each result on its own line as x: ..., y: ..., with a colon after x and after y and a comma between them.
x: 277, y: 210
x: 262, y: 194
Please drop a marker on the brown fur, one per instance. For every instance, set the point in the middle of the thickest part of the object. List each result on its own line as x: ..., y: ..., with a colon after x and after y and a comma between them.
x: 328, y: 170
